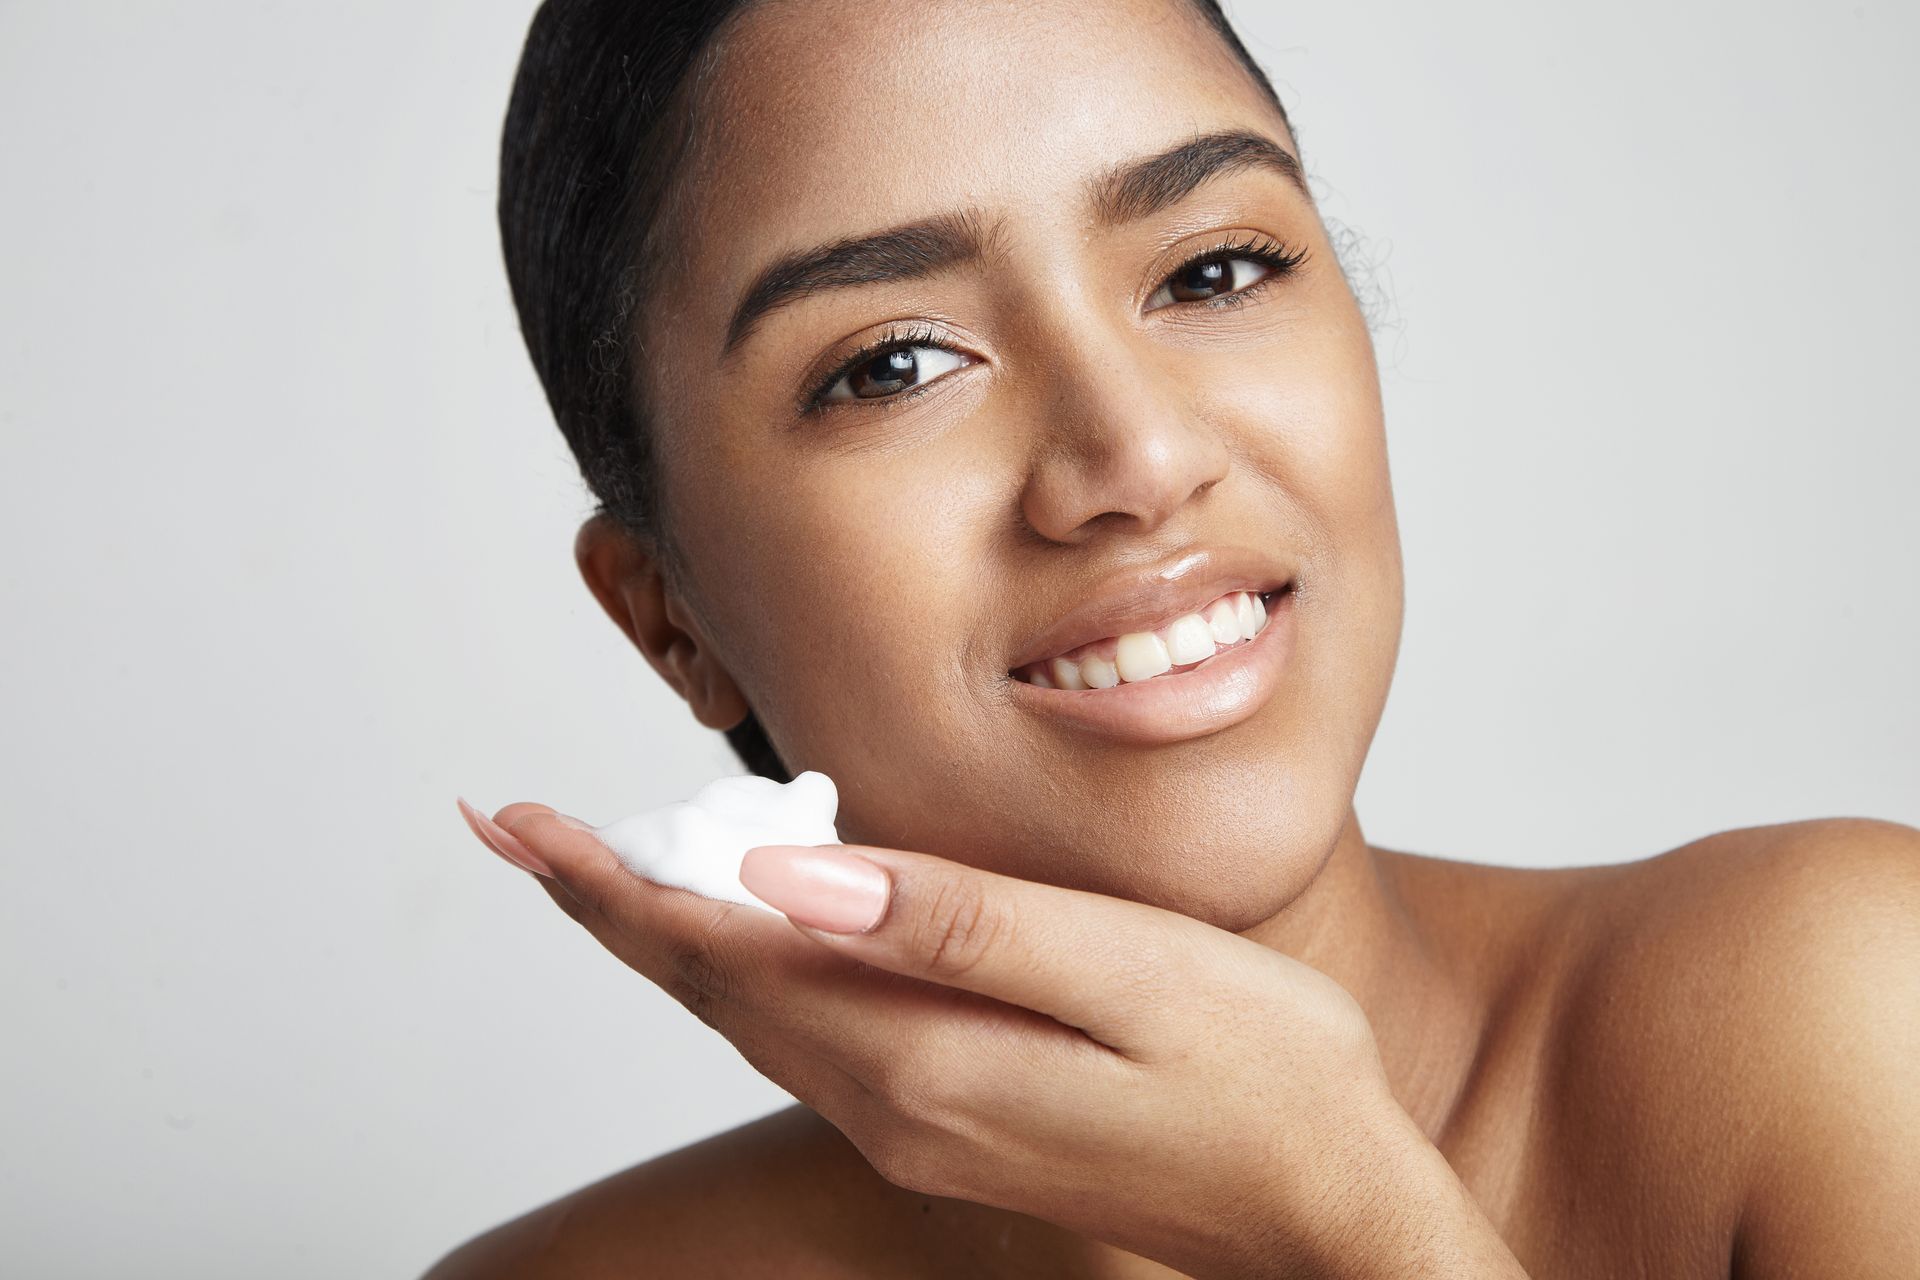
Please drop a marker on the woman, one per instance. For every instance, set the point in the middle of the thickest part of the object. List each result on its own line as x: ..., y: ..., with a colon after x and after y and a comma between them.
x: 979, y: 416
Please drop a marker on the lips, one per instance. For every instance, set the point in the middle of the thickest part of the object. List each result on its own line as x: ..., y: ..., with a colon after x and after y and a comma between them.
x: 1155, y: 600
x: 1183, y: 703
x: 1134, y: 656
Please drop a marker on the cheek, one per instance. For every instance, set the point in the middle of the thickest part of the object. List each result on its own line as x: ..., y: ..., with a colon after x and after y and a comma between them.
x: 1309, y: 422
x: 1306, y: 416
x: 846, y: 578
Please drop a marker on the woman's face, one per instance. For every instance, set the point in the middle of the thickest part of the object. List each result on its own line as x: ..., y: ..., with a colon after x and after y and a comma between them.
x: 1077, y: 433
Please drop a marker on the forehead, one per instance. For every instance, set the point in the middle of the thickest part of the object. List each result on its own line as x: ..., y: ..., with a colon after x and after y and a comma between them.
x: 828, y: 118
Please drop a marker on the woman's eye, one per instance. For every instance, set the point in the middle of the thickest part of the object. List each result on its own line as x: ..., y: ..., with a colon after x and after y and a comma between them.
x: 1209, y: 278
x: 892, y: 372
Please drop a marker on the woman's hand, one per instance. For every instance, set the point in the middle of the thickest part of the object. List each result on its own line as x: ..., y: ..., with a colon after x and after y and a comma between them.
x: 1126, y: 1072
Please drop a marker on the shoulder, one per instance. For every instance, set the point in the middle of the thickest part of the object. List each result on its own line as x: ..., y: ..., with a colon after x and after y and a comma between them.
x: 1737, y: 953
x: 1765, y: 916
x: 785, y: 1195
x: 1746, y: 1014
x: 1763, y: 913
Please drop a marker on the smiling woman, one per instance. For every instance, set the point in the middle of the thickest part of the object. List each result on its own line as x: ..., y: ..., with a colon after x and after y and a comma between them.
x: 980, y: 416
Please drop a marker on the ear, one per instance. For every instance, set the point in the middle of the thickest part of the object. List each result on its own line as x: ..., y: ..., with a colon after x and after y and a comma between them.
x: 625, y: 576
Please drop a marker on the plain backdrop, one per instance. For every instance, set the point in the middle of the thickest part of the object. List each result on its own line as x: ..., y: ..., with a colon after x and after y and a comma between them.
x: 287, y: 529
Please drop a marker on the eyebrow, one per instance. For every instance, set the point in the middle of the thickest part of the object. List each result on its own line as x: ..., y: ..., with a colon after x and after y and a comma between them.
x: 1137, y: 189
x: 1127, y: 192
x: 906, y: 252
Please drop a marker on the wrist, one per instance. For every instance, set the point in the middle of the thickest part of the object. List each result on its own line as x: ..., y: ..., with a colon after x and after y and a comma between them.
x: 1383, y: 1203
x: 1392, y: 1206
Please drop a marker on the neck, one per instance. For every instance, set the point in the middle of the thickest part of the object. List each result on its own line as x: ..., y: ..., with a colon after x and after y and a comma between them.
x: 1354, y: 924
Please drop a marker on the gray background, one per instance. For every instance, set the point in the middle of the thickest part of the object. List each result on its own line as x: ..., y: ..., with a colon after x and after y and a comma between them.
x: 288, y: 525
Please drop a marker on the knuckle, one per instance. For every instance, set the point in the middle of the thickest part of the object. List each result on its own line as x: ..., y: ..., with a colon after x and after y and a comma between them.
x: 961, y: 927
x: 903, y: 1083
x: 591, y: 890
x: 899, y: 1159
x: 701, y: 973
x: 700, y: 981
x: 932, y: 1092
x: 889, y: 1161
x: 912, y: 1151
x: 711, y: 972
x: 563, y: 898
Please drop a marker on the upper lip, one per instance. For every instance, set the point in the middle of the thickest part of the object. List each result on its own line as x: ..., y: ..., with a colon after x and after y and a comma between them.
x: 1148, y: 597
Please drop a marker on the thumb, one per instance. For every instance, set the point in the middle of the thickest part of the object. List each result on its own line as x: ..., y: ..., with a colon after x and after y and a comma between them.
x: 1104, y: 965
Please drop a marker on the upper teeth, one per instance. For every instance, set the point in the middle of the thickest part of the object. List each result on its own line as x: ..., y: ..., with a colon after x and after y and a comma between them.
x: 1141, y: 655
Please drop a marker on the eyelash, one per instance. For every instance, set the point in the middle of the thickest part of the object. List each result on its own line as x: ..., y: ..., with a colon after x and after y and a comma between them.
x: 921, y: 335
x: 1280, y: 261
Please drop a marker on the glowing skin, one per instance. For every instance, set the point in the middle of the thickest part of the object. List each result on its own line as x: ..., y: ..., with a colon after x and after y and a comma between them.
x: 867, y: 576
x: 698, y: 844
x: 1091, y: 454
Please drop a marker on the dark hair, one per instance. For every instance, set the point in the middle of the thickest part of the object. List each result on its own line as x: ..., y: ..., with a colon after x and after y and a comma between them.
x: 597, y: 128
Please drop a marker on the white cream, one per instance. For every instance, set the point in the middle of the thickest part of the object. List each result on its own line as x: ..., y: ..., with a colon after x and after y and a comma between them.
x: 699, y: 844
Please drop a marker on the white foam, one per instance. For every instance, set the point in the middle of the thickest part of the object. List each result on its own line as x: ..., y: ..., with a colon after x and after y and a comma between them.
x: 699, y: 844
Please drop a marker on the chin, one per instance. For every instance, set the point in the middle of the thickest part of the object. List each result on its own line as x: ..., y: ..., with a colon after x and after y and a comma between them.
x: 1233, y: 886
x: 1232, y: 853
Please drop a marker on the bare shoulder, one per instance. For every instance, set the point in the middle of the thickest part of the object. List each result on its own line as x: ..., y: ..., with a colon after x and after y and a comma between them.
x: 1752, y: 897
x: 785, y: 1195
x: 1739, y: 1038
x: 1755, y: 921
x: 1795, y: 865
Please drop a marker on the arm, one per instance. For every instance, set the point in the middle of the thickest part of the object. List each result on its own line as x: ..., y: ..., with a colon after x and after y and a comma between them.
x: 764, y: 1199
x: 1398, y: 1210
x: 1124, y: 1072
x: 1834, y: 1186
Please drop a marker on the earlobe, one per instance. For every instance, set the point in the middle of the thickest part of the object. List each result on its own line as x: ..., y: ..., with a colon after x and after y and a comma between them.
x: 625, y: 576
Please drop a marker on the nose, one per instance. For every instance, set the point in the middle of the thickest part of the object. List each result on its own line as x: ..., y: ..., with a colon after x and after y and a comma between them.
x: 1120, y: 448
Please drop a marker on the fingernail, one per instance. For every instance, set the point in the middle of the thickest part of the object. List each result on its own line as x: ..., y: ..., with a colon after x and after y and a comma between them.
x: 503, y: 841
x: 823, y: 886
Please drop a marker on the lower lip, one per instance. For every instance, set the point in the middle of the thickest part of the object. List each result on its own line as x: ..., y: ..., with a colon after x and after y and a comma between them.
x: 1217, y: 694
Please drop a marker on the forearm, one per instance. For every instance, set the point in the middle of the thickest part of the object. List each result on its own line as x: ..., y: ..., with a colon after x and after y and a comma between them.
x: 1413, y: 1217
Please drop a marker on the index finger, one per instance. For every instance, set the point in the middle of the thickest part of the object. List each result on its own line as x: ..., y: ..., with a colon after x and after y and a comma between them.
x: 1109, y: 967
x: 706, y: 953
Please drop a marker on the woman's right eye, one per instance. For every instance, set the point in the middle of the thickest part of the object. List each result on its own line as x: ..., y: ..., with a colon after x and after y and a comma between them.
x: 891, y: 371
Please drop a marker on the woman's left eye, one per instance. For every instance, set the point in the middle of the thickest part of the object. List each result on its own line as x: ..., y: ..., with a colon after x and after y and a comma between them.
x: 1211, y: 277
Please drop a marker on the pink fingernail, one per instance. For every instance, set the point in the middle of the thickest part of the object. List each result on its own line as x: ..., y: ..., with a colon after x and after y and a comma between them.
x: 503, y: 841
x: 823, y: 886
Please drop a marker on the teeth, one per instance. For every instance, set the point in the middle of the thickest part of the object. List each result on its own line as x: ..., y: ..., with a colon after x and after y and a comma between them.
x: 1067, y: 674
x: 1189, y: 639
x: 1142, y: 655
x: 1243, y: 613
x: 1222, y: 621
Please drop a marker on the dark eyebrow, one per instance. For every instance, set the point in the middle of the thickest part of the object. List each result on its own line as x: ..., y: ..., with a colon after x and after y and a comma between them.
x: 905, y: 252
x: 1136, y: 189
x: 1128, y: 192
